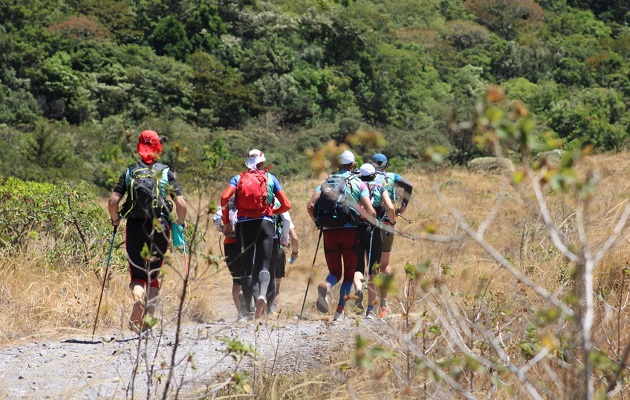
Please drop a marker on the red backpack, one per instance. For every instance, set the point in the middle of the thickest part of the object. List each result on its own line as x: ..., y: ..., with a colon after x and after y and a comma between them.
x: 252, y: 193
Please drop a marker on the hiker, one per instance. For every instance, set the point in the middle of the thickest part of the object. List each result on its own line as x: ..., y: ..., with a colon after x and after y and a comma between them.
x: 231, y: 254
x: 285, y: 236
x: 147, y: 210
x: 391, y: 181
x: 370, y: 240
x: 254, y: 193
x: 345, y: 191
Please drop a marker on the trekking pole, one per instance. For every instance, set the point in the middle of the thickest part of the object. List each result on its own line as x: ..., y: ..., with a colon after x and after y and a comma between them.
x: 109, y: 258
x: 400, y: 215
x: 321, y: 231
x: 369, y: 267
x: 186, y: 264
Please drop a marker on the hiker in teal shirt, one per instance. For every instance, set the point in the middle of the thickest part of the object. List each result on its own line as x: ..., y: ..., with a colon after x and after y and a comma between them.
x: 341, y: 246
x: 391, y: 181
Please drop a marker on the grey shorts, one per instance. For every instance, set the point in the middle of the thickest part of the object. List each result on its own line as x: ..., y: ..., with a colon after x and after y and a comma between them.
x: 388, y: 240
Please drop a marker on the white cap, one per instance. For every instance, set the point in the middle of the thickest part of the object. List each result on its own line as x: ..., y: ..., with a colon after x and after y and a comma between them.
x: 346, y: 157
x: 254, y: 157
x: 367, y: 170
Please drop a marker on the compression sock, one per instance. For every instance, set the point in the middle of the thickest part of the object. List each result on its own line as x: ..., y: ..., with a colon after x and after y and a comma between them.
x: 346, y: 288
x: 332, y: 280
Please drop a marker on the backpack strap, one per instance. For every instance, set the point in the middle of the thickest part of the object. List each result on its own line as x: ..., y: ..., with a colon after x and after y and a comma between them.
x: 129, y: 172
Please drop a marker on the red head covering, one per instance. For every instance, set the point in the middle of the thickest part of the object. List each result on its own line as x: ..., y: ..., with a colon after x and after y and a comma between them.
x: 149, y: 146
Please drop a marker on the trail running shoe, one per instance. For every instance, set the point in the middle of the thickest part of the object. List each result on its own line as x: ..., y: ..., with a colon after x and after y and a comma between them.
x: 323, y: 298
x: 371, y: 314
x: 358, y: 300
x: 384, y: 312
x: 240, y: 318
x: 339, y: 316
x: 136, y: 321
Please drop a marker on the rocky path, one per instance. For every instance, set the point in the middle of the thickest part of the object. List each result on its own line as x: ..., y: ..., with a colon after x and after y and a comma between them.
x: 123, y: 365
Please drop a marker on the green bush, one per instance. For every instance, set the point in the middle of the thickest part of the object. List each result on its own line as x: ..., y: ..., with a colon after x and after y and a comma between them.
x: 65, y: 223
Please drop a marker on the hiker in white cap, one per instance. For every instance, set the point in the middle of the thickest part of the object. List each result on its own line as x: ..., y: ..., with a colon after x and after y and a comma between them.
x: 370, y: 240
x: 391, y: 181
x: 254, y: 193
x: 334, y: 207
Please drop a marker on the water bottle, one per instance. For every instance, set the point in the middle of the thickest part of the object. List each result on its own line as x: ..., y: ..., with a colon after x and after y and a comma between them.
x: 293, y: 258
x: 177, y: 234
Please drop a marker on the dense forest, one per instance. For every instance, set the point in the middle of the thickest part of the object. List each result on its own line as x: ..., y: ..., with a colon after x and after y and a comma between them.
x: 79, y: 79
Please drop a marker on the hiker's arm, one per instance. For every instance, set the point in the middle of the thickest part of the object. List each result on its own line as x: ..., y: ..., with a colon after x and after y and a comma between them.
x: 225, y: 205
x: 295, y: 242
x: 310, y: 207
x: 365, y: 201
x: 112, y: 207
x: 407, y: 188
x: 367, y: 205
x: 389, y: 206
x: 180, y: 209
x: 285, y: 204
x: 287, y: 225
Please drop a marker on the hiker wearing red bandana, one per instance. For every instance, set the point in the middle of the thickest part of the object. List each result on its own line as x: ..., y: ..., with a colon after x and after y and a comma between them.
x: 146, y: 185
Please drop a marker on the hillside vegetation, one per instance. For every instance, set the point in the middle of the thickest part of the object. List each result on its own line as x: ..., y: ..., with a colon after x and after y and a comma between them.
x: 80, y: 79
x: 511, y: 283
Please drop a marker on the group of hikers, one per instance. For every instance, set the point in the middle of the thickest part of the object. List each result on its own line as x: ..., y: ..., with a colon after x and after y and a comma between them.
x: 353, y: 209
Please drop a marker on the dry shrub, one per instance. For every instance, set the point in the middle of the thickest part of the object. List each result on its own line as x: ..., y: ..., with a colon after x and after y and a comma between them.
x: 461, y: 282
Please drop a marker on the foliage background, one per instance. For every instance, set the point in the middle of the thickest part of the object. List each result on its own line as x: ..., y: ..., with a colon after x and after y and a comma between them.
x: 80, y: 79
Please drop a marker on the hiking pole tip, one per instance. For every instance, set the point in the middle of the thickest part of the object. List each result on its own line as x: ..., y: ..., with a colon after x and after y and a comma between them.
x: 406, y: 219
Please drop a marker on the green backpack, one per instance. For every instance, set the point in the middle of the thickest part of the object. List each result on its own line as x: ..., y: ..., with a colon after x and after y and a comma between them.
x: 146, y: 192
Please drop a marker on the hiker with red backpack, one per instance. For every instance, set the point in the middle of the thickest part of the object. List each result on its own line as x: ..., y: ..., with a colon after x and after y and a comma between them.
x: 254, y: 193
x: 370, y: 240
x: 334, y: 207
x: 146, y: 185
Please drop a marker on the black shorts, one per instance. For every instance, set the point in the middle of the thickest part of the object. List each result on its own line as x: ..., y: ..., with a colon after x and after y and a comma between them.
x: 141, y: 232
x: 279, y: 260
x: 232, y: 253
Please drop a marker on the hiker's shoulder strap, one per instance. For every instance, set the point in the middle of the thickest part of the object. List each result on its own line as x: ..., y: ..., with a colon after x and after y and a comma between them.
x: 130, y: 170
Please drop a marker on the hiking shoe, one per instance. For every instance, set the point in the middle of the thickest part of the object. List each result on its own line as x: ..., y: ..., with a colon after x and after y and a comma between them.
x: 358, y: 300
x: 339, y: 316
x: 136, y: 321
x: 240, y: 318
x: 323, y: 298
x: 371, y: 314
x: 384, y: 312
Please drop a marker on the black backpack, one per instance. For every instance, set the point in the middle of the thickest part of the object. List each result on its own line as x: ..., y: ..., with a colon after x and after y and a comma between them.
x: 332, y: 209
x: 146, y: 192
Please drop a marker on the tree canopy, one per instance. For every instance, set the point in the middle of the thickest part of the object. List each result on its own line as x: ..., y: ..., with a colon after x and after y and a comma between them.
x: 287, y: 77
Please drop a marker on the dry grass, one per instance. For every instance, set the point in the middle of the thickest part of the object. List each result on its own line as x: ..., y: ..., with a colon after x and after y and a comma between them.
x: 37, y: 299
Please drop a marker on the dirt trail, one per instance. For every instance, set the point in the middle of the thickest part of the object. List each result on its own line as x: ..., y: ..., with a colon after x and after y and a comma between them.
x: 77, y: 366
